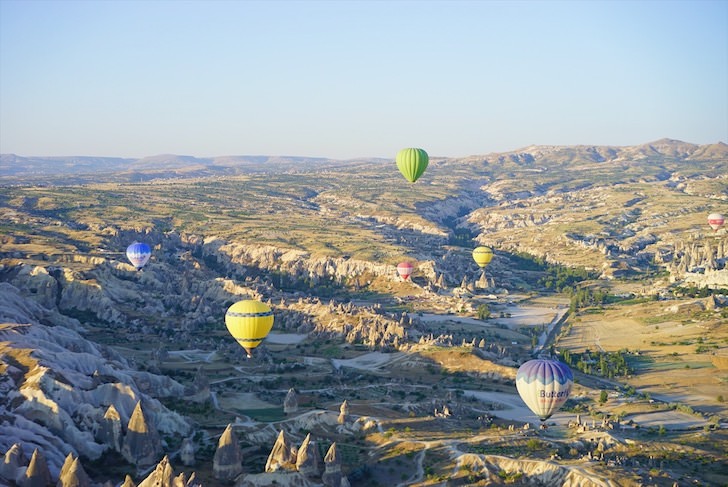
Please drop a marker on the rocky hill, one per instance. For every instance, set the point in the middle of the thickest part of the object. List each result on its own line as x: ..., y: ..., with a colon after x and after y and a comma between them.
x: 57, y: 387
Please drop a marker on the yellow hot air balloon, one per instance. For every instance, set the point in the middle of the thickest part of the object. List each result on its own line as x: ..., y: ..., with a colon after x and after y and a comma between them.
x: 482, y: 256
x: 249, y: 322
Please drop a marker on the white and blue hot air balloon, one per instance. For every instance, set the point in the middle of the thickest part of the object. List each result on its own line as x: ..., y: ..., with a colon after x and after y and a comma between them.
x: 544, y: 385
x: 138, y: 254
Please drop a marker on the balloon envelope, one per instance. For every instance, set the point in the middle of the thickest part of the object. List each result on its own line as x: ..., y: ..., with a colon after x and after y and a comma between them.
x: 715, y: 220
x: 249, y: 322
x: 544, y: 385
x: 412, y: 163
x: 138, y: 254
x: 404, y: 269
x: 482, y: 255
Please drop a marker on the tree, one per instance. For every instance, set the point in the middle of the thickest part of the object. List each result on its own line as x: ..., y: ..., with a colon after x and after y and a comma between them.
x: 603, y: 396
x: 483, y: 312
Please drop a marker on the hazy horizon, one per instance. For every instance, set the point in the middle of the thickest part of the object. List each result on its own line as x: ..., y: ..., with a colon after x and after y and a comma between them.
x: 346, y: 80
x: 283, y: 156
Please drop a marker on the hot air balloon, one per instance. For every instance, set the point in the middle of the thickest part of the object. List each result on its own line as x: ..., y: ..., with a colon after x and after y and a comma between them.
x: 404, y: 269
x: 482, y: 256
x: 544, y: 385
x: 715, y: 220
x: 249, y: 322
x: 412, y: 163
x: 138, y: 254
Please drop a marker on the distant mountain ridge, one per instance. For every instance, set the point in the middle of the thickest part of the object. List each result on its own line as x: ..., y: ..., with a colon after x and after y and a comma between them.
x: 662, y: 149
x: 170, y: 165
x: 13, y: 164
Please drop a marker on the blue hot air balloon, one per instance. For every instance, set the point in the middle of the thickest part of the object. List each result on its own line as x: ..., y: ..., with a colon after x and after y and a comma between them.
x: 544, y: 385
x: 138, y: 254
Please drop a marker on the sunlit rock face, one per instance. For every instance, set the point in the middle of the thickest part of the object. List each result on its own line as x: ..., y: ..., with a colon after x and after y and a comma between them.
x: 282, y: 455
x: 142, y: 444
x: 228, y: 461
x: 72, y: 474
x: 343, y: 412
x: 128, y: 482
x: 37, y: 474
x: 110, y: 431
x: 308, y: 460
x: 163, y: 476
x: 13, y: 460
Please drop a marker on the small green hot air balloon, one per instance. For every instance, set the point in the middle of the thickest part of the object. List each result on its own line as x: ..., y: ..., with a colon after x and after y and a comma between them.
x: 412, y: 163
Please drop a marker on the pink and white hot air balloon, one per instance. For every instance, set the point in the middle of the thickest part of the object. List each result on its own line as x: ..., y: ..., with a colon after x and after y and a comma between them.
x: 404, y: 269
x: 715, y: 220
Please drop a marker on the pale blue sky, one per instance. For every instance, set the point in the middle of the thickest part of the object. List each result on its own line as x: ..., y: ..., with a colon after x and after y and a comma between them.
x: 346, y: 79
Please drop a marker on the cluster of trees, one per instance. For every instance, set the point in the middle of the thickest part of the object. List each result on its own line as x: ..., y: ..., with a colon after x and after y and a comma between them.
x: 698, y: 292
x: 585, y: 297
x: 565, y: 279
x: 461, y: 237
x: 605, y: 364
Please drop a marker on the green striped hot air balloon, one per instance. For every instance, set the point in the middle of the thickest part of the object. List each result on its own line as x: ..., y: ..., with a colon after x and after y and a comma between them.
x: 412, y: 163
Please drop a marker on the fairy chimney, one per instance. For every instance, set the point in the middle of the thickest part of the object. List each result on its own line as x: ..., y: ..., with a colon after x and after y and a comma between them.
x: 128, y: 482
x: 343, y: 412
x: 199, y: 390
x: 161, y: 476
x: 109, y: 432
x: 308, y: 460
x: 282, y: 456
x: 187, y: 452
x: 228, y: 461
x: 482, y: 282
x: 14, y: 459
x: 142, y: 445
x: 290, y: 403
x: 66, y: 464
x: 37, y: 474
x: 72, y: 474
x: 332, y: 476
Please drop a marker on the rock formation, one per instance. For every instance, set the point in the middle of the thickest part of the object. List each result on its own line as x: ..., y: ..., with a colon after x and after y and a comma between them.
x: 37, y: 474
x: 142, y: 444
x: 187, y: 452
x: 128, y: 482
x: 66, y: 464
x: 343, y: 412
x: 308, y: 460
x: 109, y: 432
x: 14, y: 459
x: 290, y: 403
x: 282, y: 456
x: 163, y: 476
x: 59, y: 398
x: 199, y: 390
x: 332, y: 476
x: 228, y: 461
x: 72, y: 474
